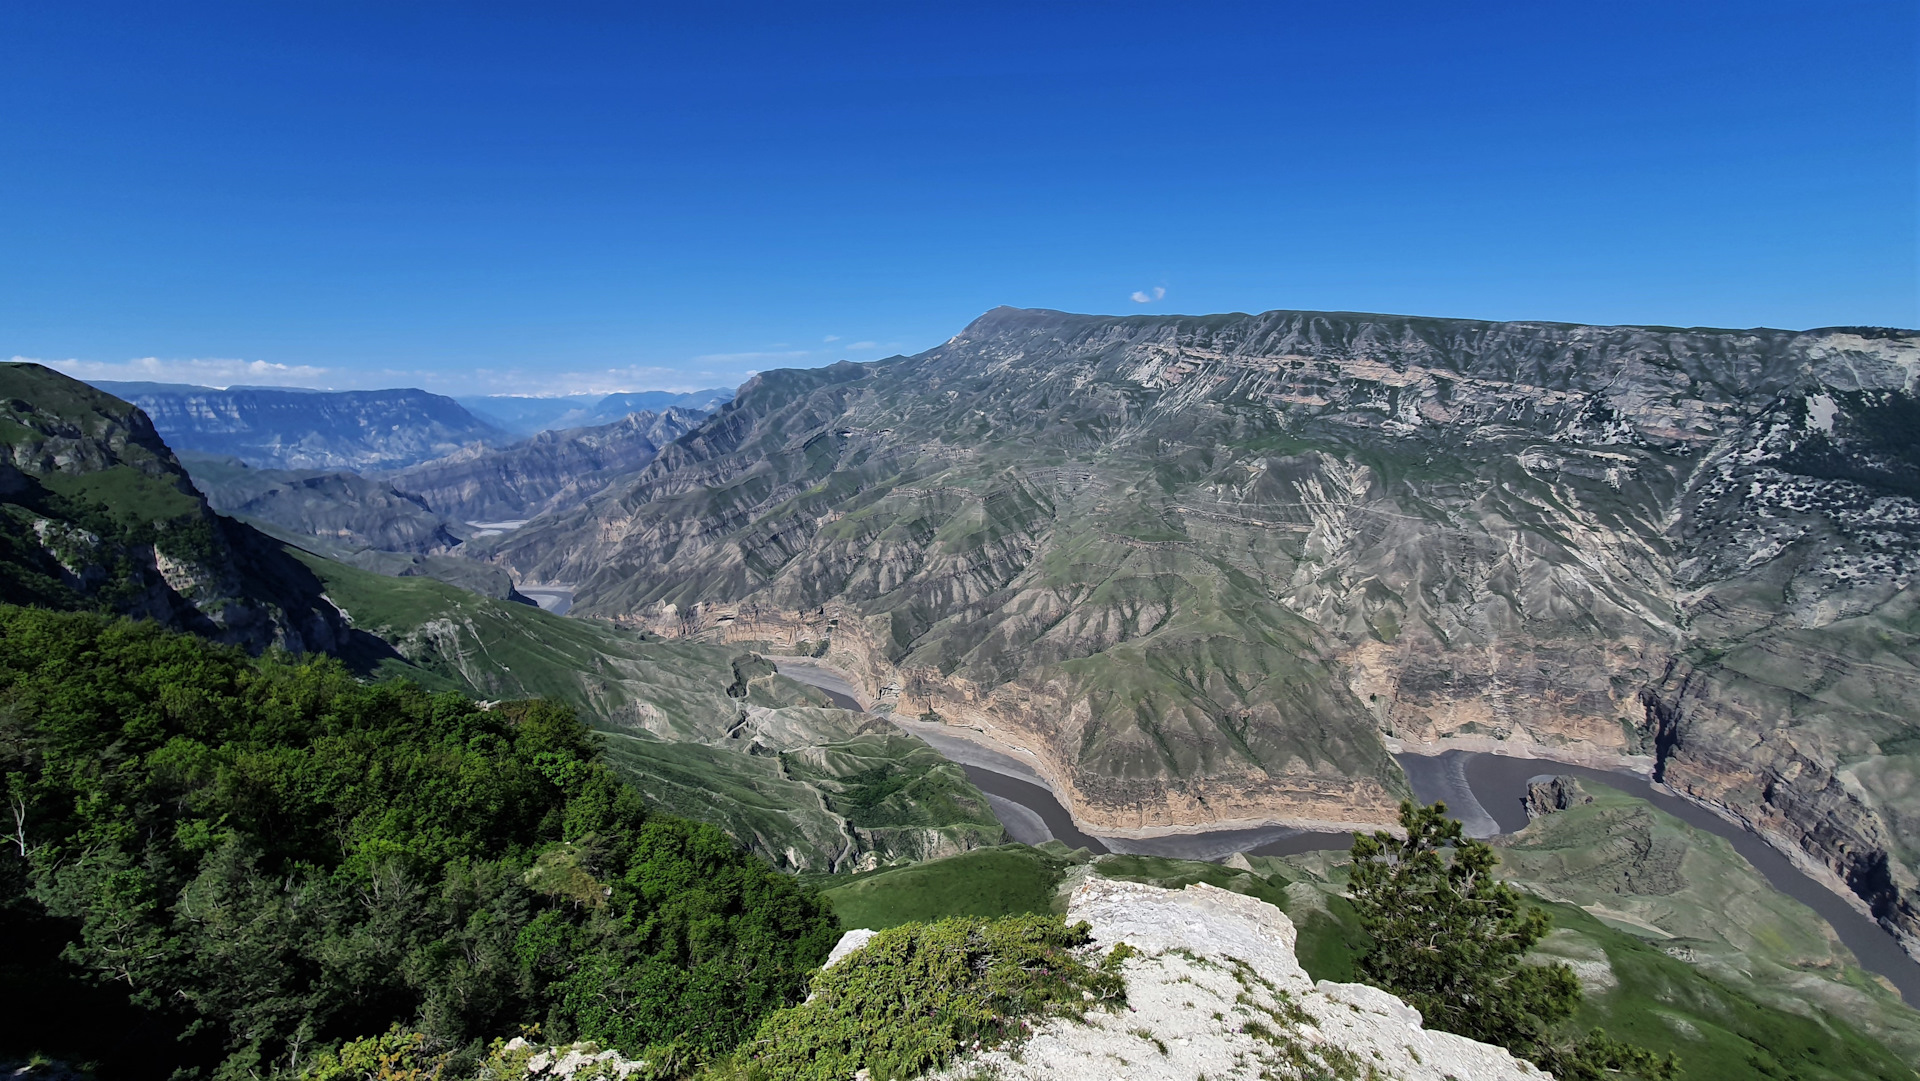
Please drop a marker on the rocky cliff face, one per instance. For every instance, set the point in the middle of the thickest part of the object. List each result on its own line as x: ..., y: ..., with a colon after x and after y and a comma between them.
x: 1202, y: 566
x: 552, y: 471
x: 302, y: 429
x: 95, y: 512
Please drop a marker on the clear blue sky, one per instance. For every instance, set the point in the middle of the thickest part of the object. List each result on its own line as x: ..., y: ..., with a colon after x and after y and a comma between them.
x: 548, y: 197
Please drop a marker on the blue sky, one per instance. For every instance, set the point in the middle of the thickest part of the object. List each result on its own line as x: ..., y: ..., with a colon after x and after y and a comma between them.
x: 547, y: 198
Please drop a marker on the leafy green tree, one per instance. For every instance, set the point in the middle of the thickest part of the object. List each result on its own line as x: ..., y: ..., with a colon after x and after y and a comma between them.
x: 1450, y: 938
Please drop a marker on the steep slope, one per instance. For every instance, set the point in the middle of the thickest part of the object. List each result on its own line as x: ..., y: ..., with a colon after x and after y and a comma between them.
x: 96, y: 513
x: 1688, y: 895
x: 711, y: 733
x: 1201, y: 566
x: 308, y: 429
x: 341, y: 508
x: 554, y: 470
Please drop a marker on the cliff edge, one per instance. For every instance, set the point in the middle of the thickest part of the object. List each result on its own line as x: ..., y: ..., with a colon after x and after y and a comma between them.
x: 1215, y: 991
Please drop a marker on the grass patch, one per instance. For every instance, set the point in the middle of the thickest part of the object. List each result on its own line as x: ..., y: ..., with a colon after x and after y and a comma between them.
x: 1005, y: 880
x: 1176, y: 874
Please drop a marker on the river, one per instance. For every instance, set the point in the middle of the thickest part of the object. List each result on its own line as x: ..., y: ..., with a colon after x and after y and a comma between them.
x: 1484, y: 791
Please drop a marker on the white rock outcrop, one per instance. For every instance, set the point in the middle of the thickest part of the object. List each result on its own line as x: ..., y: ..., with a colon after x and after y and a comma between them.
x: 1215, y: 992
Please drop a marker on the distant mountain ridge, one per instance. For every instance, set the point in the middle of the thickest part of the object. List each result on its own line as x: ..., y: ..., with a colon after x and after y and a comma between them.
x: 427, y: 511
x: 529, y: 416
x: 309, y: 429
x: 555, y: 470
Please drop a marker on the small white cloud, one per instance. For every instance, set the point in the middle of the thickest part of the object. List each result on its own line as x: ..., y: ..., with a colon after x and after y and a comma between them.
x: 863, y: 345
x: 204, y: 372
x: 1158, y: 292
x: 830, y: 339
x: 1141, y: 296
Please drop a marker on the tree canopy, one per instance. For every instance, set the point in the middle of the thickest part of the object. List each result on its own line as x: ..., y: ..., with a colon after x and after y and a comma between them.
x: 273, y: 856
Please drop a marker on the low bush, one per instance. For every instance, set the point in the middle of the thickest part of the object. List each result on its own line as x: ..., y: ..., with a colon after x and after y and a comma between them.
x: 918, y: 994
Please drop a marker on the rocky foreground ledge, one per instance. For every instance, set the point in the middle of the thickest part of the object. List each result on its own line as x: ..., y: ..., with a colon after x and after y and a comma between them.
x: 1214, y: 991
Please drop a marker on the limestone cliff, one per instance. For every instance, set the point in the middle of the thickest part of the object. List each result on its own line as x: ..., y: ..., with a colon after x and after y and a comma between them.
x: 1215, y: 992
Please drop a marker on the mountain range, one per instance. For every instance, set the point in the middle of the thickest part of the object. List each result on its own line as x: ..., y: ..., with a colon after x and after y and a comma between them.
x: 308, y: 429
x: 1198, y: 573
x: 1209, y: 570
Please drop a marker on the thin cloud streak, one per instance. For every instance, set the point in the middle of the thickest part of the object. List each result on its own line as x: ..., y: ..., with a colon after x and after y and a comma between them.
x: 210, y: 372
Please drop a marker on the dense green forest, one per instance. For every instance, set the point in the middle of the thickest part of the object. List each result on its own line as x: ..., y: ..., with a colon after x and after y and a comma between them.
x: 221, y: 865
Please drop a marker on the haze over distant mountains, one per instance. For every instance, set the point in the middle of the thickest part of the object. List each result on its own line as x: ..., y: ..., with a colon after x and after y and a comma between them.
x: 97, y: 513
x: 296, y: 428
x: 308, y: 429
x: 527, y: 416
x: 1209, y: 570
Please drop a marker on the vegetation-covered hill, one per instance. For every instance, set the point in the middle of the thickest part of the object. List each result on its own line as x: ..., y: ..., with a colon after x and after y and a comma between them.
x: 1791, y: 1006
x: 96, y: 512
x: 267, y: 856
x: 705, y: 731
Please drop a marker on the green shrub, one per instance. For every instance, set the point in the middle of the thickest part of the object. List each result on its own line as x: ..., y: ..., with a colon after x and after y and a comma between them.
x: 1450, y: 938
x: 396, y: 1055
x: 918, y: 994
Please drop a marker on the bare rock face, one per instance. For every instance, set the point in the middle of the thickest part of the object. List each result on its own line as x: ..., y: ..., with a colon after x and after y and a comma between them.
x: 1216, y: 992
x: 1554, y: 794
x: 1200, y: 567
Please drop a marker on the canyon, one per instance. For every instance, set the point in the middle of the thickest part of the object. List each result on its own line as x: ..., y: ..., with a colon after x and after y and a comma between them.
x: 1210, y: 570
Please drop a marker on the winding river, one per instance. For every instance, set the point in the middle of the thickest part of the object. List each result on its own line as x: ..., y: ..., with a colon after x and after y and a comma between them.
x: 1485, y: 791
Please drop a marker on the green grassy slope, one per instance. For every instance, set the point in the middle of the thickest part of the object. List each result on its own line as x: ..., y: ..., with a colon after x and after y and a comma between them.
x: 1007, y: 880
x: 703, y: 731
x: 1680, y: 944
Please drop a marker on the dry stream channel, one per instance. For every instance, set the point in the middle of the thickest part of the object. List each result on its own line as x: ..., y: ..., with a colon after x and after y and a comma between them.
x: 1485, y: 791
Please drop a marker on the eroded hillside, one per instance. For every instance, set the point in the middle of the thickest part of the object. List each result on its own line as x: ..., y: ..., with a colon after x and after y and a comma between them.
x: 1204, y: 567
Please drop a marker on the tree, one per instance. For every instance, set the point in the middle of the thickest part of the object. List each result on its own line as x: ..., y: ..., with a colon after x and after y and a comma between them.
x: 1450, y: 939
